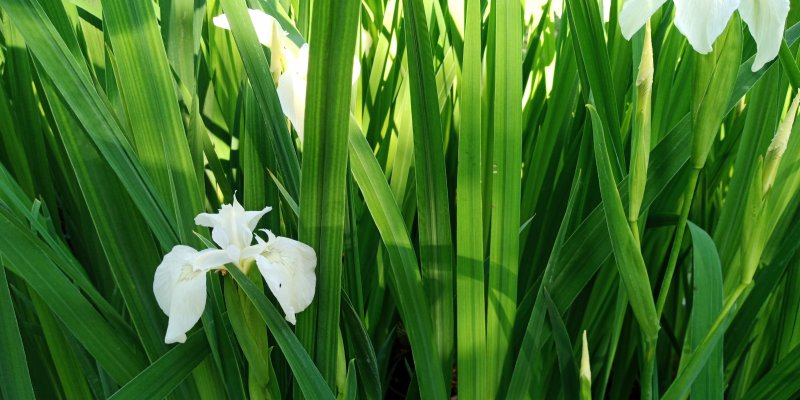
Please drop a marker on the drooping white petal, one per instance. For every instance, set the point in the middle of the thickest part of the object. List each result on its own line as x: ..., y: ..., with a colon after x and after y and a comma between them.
x: 292, y: 87
x: 635, y: 13
x: 766, y: 20
x: 188, y: 302
x: 288, y: 268
x: 265, y: 24
x: 167, y: 274
x: 702, y: 21
x: 232, y: 225
x: 180, y: 291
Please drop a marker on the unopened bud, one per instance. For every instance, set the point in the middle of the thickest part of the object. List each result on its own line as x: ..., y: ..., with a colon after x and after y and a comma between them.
x: 646, y: 65
x: 640, y: 145
x: 778, y: 146
x: 586, y: 372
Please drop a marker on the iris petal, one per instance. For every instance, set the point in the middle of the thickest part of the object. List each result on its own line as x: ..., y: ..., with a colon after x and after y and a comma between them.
x: 702, y: 21
x: 288, y: 268
x: 180, y: 291
x: 635, y: 13
x: 766, y: 20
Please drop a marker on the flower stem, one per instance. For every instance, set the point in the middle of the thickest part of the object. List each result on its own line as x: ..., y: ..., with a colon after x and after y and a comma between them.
x: 676, y: 246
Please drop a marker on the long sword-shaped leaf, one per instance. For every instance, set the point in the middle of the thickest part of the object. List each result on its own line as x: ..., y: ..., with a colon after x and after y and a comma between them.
x: 632, y: 270
x: 73, y: 83
x: 470, y: 301
x: 125, y: 250
x: 165, y: 374
x: 433, y: 211
x: 506, y: 188
x: 781, y: 382
x: 15, y: 378
x: 404, y: 275
x: 152, y: 108
x: 307, y: 375
x: 25, y: 256
x: 323, y: 184
x: 257, y: 68
x: 707, y: 304
x: 595, y: 67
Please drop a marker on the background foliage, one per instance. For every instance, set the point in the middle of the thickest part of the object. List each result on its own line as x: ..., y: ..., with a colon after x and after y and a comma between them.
x: 469, y: 211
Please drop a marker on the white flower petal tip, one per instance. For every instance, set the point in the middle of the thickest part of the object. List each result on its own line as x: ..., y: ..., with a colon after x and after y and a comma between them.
x: 702, y: 21
x: 232, y: 225
x: 265, y: 25
x: 636, y: 13
x: 766, y: 20
x: 288, y: 268
x: 180, y: 291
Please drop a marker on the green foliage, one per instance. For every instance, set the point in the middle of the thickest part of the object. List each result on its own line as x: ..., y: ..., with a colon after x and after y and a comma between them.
x: 497, y: 203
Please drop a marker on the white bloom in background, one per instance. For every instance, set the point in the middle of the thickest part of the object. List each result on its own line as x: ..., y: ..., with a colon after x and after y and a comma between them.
x: 292, y: 90
x: 366, y: 40
x: 292, y: 81
x: 702, y: 21
x: 287, y: 265
x: 268, y: 29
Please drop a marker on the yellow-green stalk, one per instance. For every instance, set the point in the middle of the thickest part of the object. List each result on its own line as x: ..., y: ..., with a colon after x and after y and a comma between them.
x: 640, y: 146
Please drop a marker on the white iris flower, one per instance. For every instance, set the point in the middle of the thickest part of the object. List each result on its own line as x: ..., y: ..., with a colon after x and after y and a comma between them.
x: 286, y: 265
x: 702, y: 21
x: 289, y: 65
